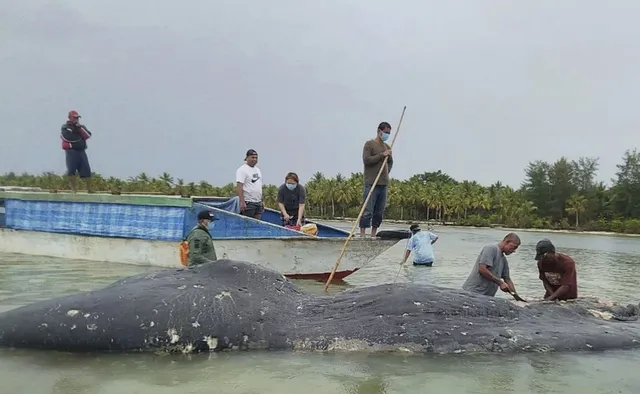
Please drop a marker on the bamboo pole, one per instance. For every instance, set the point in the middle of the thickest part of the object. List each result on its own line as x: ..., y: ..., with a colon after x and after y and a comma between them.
x: 366, y: 201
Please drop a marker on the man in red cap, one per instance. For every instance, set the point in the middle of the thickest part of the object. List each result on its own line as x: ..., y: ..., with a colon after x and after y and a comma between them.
x: 74, y: 142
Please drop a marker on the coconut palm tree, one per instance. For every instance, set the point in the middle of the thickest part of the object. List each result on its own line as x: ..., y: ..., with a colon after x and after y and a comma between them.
x: 421, y: 197
x: 576, y: 205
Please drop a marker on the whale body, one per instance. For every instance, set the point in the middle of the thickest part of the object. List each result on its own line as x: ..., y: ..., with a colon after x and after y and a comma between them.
x: 235, y: 305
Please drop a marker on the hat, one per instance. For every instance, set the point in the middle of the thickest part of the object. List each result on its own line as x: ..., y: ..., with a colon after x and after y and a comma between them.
x: 206, y: 215
x: 251, y: 152
x: 74, y: 114
x: 414, y: 228
x: 544, y: 246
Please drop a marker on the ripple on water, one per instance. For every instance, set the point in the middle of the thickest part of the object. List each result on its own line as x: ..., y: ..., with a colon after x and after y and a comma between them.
x: 607, y: 268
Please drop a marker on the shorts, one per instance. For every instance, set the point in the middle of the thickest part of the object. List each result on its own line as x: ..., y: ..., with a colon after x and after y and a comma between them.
x: 77, y: 161
x: 429, y: 264
x: 253, y: 209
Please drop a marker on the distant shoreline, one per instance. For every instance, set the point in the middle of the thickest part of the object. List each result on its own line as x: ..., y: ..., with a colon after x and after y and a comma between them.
x: 451, y: 225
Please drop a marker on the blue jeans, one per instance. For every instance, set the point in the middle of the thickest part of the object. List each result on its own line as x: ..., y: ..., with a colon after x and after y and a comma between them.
x: 372, y: 216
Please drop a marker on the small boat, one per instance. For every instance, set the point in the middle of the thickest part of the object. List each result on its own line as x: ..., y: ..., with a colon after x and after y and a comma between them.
x: 147, y: 229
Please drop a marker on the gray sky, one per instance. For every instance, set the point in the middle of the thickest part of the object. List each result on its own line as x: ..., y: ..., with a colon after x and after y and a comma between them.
x: 187, y: 87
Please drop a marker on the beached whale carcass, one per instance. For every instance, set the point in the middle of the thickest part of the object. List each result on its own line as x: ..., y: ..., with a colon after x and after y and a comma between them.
x: 238, y: 305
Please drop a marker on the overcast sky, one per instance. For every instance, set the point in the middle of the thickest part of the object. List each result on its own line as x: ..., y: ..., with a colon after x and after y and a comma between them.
x: 187, y: 87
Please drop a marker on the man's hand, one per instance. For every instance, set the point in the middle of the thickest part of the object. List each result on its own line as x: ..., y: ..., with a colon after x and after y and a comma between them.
x: 286, y: 217
x: 512, y: 287
x: 299, y: 223
x: 243, y: 206
x: 504, y: 287
x: 386, y: 153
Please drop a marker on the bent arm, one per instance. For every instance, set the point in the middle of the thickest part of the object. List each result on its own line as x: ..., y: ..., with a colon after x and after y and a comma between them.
x: 281, y: 201
x: 545, y: 283
x: 195, y: 251
x: 561, y: 291
x: 389, y: 161
x: 66, y: 134
x: 407, y: 253
x: 566, y: 282
x: 483, y: 269
x: 86, y: 134
x: 368, y: 158
x: 486, y: 260
x: 434, y: 238
x: 302, y: 200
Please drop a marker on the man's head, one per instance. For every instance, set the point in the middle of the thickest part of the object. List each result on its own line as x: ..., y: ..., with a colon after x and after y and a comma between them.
x: 74, y: 117
x: 545, y: 250
x: 205, y: 217
x: 510, y: 243
x: 414, y: 228
x: 251, y: 158
x: 384, y: 130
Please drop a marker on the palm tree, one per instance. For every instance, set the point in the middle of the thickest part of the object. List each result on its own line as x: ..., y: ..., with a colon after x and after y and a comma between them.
x: 576, y: 205
x: 425, y: 196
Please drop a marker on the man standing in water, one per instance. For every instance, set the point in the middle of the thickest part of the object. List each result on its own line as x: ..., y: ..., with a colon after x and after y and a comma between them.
x: 249, y: 186
x: 421, y: 244
x: 74, y: 142
x: 491, y: 269
x: 557, y: 272
x: 373, y: 155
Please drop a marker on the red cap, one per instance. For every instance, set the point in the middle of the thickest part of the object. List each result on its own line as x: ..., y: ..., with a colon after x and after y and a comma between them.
x: 74, y: 114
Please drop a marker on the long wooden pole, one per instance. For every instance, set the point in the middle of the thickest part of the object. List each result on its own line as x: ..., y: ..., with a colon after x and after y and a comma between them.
x: 364, y: 205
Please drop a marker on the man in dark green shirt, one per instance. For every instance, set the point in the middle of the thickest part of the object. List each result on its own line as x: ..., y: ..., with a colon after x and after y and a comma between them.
x: 373, y: 155
x: 201, y: 248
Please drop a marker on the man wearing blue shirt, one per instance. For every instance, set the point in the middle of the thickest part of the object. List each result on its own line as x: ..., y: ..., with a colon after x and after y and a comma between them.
x: 421, y: 245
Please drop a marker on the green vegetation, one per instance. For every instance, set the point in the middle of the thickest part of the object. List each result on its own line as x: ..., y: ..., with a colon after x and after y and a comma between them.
x: 560, y: 195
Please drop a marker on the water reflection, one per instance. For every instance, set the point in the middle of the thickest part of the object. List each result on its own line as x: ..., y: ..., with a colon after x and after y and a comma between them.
x: 317, y: 373
x: 607, y: 267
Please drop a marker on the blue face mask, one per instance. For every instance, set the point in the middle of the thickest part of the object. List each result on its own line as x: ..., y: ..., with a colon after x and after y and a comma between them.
x: 210, y: 226
x: 291, y: 186
x: 385, y: 137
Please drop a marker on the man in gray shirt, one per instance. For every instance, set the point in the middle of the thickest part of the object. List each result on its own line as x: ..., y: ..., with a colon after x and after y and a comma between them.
x: 491, y: 269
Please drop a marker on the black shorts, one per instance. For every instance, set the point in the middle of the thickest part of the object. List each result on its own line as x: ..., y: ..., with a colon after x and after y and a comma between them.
x: 77, y: 161
x: 423, y: 264
x: 253, y: 209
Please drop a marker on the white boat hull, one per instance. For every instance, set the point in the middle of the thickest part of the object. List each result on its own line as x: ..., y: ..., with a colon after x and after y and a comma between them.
x: 311, y: 258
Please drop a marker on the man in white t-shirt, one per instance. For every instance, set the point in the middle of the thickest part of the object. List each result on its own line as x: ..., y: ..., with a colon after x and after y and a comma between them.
x: 249, y: 185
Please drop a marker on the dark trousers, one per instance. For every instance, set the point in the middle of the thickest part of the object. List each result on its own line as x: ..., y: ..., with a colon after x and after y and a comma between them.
x: 77, y: 161
x: 372, y: 216
x: 253, y: 209
x: 293, y: 220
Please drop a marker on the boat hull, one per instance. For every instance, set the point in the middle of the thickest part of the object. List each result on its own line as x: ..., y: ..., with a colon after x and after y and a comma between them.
x: 298, y: 258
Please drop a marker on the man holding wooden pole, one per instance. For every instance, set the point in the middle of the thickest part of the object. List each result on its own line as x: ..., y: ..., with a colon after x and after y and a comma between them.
x: 383, y: 128
x: 373, y: 155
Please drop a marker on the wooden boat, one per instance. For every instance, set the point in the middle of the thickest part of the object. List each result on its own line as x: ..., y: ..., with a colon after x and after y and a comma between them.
x: 147, y: 230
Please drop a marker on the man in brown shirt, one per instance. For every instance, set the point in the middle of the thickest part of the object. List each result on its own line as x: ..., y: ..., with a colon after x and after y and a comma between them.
x: 373, y: 155
x: 557, y: 272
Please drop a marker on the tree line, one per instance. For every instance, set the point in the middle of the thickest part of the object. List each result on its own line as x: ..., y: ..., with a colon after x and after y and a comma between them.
x: 559, y: 195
